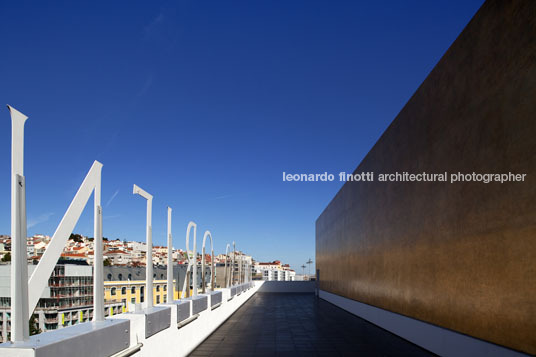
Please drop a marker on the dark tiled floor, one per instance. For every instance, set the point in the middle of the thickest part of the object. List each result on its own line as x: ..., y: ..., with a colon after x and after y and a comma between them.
x: 300, y: 325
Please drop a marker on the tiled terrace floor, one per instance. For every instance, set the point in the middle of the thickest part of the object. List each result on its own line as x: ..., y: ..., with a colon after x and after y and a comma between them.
x: 300, y: 325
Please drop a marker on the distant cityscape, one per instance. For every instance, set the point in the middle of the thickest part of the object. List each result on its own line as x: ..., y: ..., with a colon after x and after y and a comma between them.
x: 68, y: 299
x: 123, y: 253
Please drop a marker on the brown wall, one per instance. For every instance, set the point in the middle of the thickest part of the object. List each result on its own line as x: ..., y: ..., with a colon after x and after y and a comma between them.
x: 462, y: 255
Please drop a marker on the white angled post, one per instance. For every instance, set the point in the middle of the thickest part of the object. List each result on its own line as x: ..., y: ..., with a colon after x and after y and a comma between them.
x: 25, y: 293
x: 98, y: 263
x: 186, y: 286
x: 149, y: 241
x: 207, y: 234
x: 169, y: 258
x: 19, y: 267
x: 226, y: 274
x: 39, y: 279
x: 233, y: 264
x: 192, y: 265
x: 240, y: 270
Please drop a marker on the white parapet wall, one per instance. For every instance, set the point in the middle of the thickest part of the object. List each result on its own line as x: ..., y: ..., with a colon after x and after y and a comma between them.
x: 181, y: 341
x: 148, y: 332
x: 288, y: 287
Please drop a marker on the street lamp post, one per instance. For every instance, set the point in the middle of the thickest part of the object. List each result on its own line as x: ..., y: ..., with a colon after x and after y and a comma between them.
x: 309, y: 262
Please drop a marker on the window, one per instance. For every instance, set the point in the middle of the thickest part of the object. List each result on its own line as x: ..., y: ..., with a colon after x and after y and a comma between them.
x: 113, y: 291
x: 158, y: 288
x: 124, y: 290
x: 165, y: 298
x: 158, y: 299
x: 120, y: 277
x: 133, y: 300
x: 109, y: 276
x: 129, y: 276
x: 165, y: 287
x: 133, y: 290
x: 142, y: 289
x: 161, y: 276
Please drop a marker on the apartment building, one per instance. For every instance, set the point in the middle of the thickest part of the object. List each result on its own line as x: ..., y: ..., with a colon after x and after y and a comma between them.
x: 274, y: 271
x: 126, y: 285
x: 66, y: 301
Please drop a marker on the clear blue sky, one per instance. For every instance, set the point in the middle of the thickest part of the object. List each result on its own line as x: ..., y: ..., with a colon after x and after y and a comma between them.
x: 205, y: 104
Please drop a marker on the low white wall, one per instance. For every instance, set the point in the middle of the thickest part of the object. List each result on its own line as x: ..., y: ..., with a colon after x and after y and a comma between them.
x: 436, y: 339
x: 288, y: 287
x: 180, y: 342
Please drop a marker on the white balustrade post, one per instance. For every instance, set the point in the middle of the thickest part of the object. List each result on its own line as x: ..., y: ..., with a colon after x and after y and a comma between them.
x: 240, y: 268
x: 207, y: 234
x: 19, y: 264
x: 203, y: 282
x: 234, y: 260
x: 190, y: 265
x: 170, y: 289
x: 212, y: 270
x: 98, y: 263
x: 225, y: 273
x: 149, y: 242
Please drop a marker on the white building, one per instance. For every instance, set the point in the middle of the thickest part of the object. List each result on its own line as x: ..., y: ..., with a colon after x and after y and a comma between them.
x: 275, y: 271
x: 67, y: 300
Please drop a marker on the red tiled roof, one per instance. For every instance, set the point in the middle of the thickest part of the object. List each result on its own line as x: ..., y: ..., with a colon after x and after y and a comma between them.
x: 73, y: 255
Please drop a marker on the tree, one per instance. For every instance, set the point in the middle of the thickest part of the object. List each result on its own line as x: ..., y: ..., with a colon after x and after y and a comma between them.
x: 7, y: 257
x: 34, y: 328
x: 107, y: 262
x: 76, y: 238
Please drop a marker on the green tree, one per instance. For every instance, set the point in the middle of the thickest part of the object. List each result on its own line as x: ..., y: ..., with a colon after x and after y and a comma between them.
x: 34, y: 328
x: 76, y: 238
x: 107, y: 262
x: 7, y: 257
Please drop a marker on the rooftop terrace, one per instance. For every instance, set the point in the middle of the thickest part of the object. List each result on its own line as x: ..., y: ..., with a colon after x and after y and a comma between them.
x: 271, y: 324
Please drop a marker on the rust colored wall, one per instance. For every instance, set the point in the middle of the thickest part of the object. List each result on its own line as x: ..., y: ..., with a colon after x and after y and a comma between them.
x: 462, y: 255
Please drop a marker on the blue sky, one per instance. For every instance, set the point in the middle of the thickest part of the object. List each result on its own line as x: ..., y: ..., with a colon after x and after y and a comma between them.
x: 205, y: 104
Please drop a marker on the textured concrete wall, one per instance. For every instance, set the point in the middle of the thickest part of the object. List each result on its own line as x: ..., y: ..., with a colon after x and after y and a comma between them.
x: 462, y: 255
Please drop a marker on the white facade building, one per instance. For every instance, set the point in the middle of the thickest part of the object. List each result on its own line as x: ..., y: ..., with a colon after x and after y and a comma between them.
x: 275, y: 271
